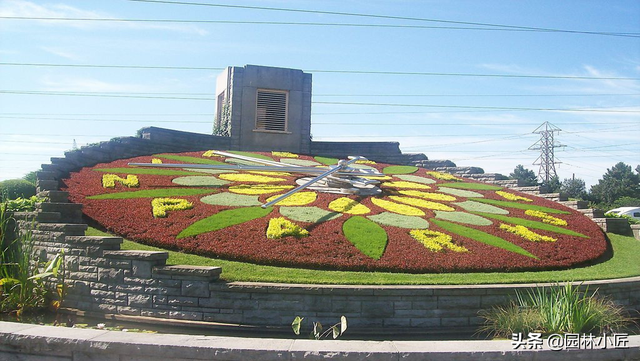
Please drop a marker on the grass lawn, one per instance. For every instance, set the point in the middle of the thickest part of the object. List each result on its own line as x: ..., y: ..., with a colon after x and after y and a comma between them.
x: 624, y: 263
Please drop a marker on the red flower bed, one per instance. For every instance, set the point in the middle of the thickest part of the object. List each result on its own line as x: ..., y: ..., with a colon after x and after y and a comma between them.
x: 326, y: 247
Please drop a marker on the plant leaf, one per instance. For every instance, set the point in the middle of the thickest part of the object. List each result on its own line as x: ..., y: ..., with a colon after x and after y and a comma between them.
x: 295, y: 325
x: 336, y: 331
x: 343, y: 324
x: 317, y: 329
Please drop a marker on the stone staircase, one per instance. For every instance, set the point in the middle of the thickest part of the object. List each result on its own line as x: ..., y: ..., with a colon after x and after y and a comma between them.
x: 613, y: 225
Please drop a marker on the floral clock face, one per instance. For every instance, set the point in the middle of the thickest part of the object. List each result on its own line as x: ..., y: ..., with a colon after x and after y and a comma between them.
x: 422, y: 221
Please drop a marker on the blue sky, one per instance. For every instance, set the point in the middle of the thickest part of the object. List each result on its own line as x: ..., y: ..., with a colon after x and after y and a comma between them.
x: 484, y: 121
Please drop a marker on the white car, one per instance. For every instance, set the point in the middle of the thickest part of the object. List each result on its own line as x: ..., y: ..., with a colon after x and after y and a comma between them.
x: 633, y: 212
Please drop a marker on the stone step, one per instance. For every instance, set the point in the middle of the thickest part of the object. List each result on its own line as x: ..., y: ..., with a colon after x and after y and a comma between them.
x: 70, y: 229
x: 41, y: 217
x: 69, y: 212
x: 208, y: 273
x: 507, y: 183
x: 614, y: 225
x: 592, y: 212
x: 575, y: 204
x: 46, y: 185
x: 110, y: 243
x: 557, y: 197
x: 534, y: 190
x: 55, y: 196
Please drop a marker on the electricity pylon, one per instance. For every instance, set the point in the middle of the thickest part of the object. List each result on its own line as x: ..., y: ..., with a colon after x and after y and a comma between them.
x: 546, y: 145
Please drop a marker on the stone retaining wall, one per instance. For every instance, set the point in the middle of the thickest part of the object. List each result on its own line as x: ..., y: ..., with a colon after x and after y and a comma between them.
x: 38, y: 343
x: 107, y: 280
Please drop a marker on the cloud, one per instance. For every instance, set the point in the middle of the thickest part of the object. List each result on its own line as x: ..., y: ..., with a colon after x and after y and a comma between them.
x: 91, y: 85
x: 61, y: 53
x: 22, y: 8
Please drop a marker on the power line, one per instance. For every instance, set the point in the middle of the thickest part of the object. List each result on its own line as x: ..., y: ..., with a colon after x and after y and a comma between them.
x: 355, y: 72
x: 279, y: 23
x: 599, y: 110
x: 471, y: 95
x: 377, y: 16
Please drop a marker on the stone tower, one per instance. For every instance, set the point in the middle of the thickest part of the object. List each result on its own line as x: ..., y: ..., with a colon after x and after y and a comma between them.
x: 264, y: 108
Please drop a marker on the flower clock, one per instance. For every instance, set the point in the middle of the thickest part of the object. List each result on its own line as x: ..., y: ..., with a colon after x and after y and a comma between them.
x: 286, y: 209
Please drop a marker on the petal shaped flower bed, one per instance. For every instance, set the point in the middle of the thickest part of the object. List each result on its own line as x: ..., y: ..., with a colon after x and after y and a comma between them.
x: 422, y: 221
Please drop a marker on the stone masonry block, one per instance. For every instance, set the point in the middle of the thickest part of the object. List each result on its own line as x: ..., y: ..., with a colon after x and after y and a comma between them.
x: 195, y: 289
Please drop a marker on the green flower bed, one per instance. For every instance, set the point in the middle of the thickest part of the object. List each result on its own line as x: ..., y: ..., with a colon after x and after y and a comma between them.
x: 399, y: 169
x: 153, y: 193
x: 224, y: 219
x: 366, y: 236
x: 199, y: 181
x: 152, y: 171
x: 231, y: 199
x: 308, y: 214
x: 461, y: 217
x: 473, y: 186
x: 517, y: 205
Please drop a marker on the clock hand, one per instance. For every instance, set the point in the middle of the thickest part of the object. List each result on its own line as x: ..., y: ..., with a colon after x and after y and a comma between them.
x: 342, y: 164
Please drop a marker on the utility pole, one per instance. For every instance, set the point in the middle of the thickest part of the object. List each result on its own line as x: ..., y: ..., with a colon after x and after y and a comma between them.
x: 546, y: 145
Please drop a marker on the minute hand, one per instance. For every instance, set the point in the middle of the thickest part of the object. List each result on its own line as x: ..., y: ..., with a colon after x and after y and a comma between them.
x: 341, y: 165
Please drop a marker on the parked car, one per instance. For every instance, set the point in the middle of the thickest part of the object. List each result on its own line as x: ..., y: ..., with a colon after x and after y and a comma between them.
x: 633, y: 212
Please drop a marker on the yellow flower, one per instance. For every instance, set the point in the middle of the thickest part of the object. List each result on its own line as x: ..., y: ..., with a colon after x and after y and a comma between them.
x: 156, y: 161
x: 239, y: 177
x: 282, y: 227
x: 546, y: 218
x: 348, y: 206
x: 405, y: 184
x: 210, y: 153
x: 526, y: 233
x: 109, y: 181
x: 296, y: 199
x: 427, y: 195
x: 512, y: 197
x: 423, y: 204
x: 397, y: 208
x: 160, y: 206
x: 436, y: 241
x: 284, y: 155
x: 443, y: 176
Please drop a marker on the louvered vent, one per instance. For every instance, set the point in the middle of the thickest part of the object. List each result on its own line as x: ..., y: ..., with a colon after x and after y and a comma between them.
x: 271, y: 112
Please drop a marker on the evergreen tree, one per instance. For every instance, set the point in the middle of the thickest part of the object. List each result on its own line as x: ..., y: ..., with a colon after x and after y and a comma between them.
x: 574, y: 188
x: 619, y: 181
x: 553, y: 186
x: 526, y: 177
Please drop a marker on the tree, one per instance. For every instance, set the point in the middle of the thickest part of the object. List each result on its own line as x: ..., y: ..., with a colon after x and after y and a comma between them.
x: 574, y: 188
x: 553, y: 186
x: 526, y: 177
x: 619, y: 181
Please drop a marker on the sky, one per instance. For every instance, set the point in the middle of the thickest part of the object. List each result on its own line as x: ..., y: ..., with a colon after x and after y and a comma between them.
x: 464, y: 80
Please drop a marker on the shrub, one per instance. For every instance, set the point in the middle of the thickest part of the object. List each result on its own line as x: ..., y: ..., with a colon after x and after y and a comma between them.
x: 14, y: 188
x: 558, y: 309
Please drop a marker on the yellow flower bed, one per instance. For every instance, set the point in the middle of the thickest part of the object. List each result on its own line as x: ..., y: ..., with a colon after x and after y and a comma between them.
x: 156, y: 161
x: 365, y: 162
x: 512, y: 197
x: 443, y: 176
x: 427, y: 195
x: 160, y: 206
x: 348, y: 206
x: 526, y: 233
x: 210, y: 153
x: 239, y: 177
x: 423, y: 204
x: 376, y: 177
x: 109, y: 181
x: 296, y: 199
x: 271, y: 173
x: 397, y: 208
x: 258, y: 188
x: 436, y: 241
x: 546, y: 218
x: 405, y: 184
x: 284, y: 155
x: 282, y: 227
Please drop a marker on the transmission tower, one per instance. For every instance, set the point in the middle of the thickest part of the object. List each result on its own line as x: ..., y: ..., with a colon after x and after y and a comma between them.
x: 546, y: 145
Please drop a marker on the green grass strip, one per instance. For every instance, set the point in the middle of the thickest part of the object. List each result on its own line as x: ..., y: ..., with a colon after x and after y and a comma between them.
x: 154, y: 193
x: 400, y: 169
x: 624, y: 263
x: 224, y: 219
x: 482, y: 237
x: 517, y: 205
x: 476, y: 186
x: 326, y: 160
x: 367, y: 236
x: 249, y: 154
x: 152, y: 171
x: 532, y: 224
x: 186, y: 159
